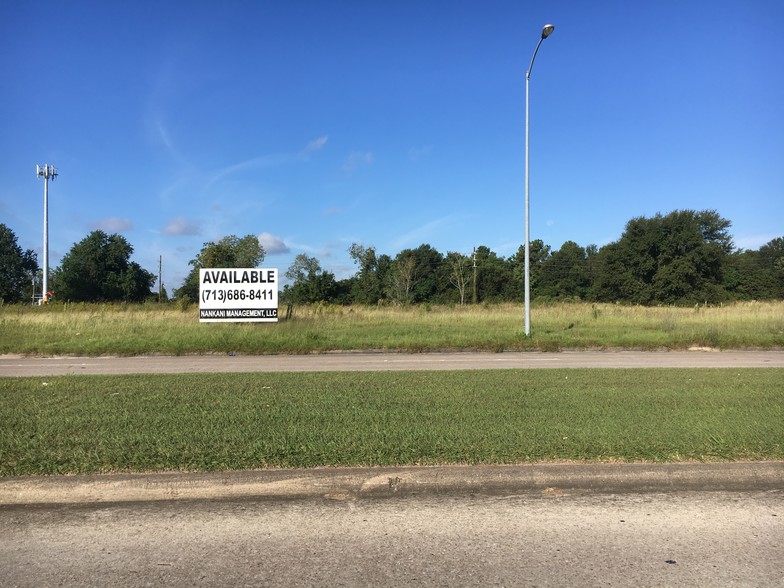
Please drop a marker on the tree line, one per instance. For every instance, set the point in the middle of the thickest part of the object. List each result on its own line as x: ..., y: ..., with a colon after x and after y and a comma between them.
x: 96, y: 269
x: 684, y: 257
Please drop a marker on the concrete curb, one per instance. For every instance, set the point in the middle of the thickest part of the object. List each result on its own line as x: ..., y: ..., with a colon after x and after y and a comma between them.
x: 358, y: 483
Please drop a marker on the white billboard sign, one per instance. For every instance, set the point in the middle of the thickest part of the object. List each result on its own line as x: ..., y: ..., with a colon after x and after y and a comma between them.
x: 238, y: 295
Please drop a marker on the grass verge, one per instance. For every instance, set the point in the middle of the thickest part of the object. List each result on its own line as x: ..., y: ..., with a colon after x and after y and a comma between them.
x: 198, y: 422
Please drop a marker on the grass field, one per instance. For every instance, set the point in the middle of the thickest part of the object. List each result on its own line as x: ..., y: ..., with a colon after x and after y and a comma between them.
x: 206, y: 422
x: 94, y: 329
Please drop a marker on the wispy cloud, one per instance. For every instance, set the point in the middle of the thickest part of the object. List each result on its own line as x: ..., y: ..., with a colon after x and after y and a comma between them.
x: 315, y: 145
x: 357, y: 159
x: 162, y: 135
x: 113, y: 224
x: 273, y: 245
x: 255, y: 163
x: 318, y: 251
x: 181, y: 226
x: 331, y: 211
x: 422, y: 234
x: 419, y: 153
x: 267, y: 161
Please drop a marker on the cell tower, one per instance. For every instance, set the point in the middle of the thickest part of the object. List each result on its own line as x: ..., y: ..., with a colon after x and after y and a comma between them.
x: 46, y: 172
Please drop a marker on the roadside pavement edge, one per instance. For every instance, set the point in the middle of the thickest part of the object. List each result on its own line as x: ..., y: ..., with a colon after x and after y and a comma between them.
x: 337, y: 483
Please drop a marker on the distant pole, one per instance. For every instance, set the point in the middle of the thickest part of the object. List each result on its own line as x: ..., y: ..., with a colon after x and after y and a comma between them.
x: 474, y: 275
x: 160, y: 277
x: 46, y: 172
x: 546, y: 31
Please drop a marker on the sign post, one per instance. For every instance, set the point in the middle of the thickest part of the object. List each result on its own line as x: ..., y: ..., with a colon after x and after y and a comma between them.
x: 238, y: 295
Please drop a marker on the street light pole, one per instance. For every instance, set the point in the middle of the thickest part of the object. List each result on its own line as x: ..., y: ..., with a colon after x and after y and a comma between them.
x: 546, y: 31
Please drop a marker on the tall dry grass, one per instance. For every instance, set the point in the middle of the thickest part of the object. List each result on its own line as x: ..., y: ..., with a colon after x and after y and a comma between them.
x: 125, y: 329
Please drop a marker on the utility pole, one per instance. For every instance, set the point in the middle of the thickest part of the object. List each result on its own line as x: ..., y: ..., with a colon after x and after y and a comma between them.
x: 160, y: 277
x: 474, y: 275
x: 46, y: 172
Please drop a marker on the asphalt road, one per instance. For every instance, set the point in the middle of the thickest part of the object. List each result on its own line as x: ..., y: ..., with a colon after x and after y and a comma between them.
x: 16, y: 365
x: 674, y: 539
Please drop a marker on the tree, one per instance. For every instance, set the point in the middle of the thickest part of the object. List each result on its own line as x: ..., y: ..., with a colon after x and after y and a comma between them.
x: 229, y: 252
x: 757, y: 275
x: 367, y: 286
x: 98, y: 269
x: 416, y: 275
x: 17, y: 267
x: 427, y: 284
x: 713, y: 228
x: 402, y: 277
x: 772, y: 258
x: 677, y: 258
x: 539, y: 253
x: 564, y: 274
x: 459, y: 268
x: 311, y: 282
x: 494, y: 276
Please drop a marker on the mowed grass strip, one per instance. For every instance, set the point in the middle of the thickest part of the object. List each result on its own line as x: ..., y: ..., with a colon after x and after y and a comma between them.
x: 197, y: 422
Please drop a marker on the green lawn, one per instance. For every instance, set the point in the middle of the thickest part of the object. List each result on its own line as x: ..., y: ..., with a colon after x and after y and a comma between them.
x: 204, y: 422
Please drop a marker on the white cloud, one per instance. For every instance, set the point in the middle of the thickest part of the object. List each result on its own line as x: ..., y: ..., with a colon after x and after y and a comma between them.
x: 357, y: 159
x: 113, y: 224
x: 273, y: 245
x: 181, y: 226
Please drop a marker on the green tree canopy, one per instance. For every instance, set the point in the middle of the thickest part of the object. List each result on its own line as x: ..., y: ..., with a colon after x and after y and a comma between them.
x: 367, y: 286
x: 565, y: 273
x: 757, y: 275
x: 539, y: 253
x: 230, y: 252
x: 415, y: 275
x: 494, y: 276
x: 459, y: 272
x: 17, y: 267
x: 98, y: 269
x: 310, y: 282
x: 772, y: 259
x: 682, y: 257
x: 675, y: 258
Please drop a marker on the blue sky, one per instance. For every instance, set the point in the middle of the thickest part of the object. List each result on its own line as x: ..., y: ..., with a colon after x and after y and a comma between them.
x: 316, y: 124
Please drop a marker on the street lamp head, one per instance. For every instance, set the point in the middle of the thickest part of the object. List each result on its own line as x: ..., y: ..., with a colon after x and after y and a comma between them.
x: 547, y: 30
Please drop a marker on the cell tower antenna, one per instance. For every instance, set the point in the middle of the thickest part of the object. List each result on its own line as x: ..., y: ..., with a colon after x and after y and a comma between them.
x: 46, y: 172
